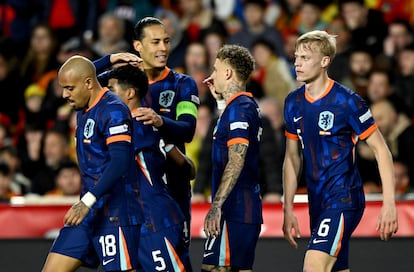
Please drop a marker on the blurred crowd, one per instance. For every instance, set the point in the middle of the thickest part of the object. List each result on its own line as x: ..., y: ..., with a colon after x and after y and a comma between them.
x: 375, y: 58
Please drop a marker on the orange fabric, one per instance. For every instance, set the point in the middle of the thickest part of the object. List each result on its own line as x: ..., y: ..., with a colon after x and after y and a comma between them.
x: 118, y: 138
x: 368, y: 132
x: 237, y: 141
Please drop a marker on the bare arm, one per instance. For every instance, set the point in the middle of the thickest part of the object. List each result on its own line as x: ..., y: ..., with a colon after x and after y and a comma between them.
x: 388, y: 219
x: 291, y: 171
x: 237, y: 155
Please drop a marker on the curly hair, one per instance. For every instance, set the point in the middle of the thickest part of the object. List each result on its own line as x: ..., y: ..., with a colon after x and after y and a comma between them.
x: 239, y: 58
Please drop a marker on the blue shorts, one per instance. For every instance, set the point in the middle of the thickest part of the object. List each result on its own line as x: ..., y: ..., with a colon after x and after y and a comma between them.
x: 114, y: 248
x: 331, y: 232
x: 234, y: 247
x: 163, y: 250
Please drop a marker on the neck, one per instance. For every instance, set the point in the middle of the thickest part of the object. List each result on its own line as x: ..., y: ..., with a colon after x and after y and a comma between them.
x: 233, y: 88
x: 133, y: 104
x: 318, y: 86
x: 154, y: 73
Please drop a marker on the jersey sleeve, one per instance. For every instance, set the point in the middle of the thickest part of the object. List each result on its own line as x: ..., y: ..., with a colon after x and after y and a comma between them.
x: 117, y: 124
x: 360, y: 117
x: 240, y: 119
x: 290, y: 130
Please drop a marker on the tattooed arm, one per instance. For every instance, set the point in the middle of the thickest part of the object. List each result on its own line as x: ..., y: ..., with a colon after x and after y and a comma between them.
x: 237, y: 154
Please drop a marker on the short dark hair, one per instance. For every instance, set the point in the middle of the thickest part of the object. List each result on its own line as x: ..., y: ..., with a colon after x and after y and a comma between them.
x: 131, y: 76
x: 239, y: 58
x: 142, y: 24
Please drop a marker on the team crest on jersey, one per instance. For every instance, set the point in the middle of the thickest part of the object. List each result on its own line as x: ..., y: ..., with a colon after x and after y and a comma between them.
x: 326, y: 120
x: 88, y: 129
x: 166, y: 98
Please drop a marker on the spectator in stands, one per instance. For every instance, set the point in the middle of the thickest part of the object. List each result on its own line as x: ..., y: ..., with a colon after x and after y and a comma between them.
x: 270, y: 66
x: 30, y: 148
x: 397, y: 129
x: 380, y: 86
x: 111, y: 39
x: 197, y: 19
x: 68, y: 18
x: 196, y: 58
x: 403, y: 183
x: 367, y: 26
x: 310, y: 16
x: 255, y: 27
x: 5, y: 182
x: 405, y: 78
x: 361, y: 64
x: 289, y: 18
x: 20, y: 184
x: 40, y: 58
x: 289, y: 40
x: 213, y: 41
x: 339, y: 68
x: 67, y: 180
x: 11, y: 87
x: 400, y: 35
x: 55, y: 151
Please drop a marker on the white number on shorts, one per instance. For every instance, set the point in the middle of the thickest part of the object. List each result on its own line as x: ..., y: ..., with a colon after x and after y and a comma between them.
x: 157, y: 258
x: 324, y: 227
x: 108, y: 245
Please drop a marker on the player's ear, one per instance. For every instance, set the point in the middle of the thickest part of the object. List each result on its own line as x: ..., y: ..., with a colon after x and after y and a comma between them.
x: 325, y: 61
x: 131, y: 93
x: 137, y: 46
x: 229, y: 73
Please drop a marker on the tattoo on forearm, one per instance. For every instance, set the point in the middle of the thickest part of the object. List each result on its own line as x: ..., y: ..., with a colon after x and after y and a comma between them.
x: 237, y: 154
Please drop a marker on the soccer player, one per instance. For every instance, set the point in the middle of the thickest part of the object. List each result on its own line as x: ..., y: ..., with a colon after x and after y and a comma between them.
x: 171, y: 106
x: 234, y: 220
x: 161, y: 246
x: 103, y: 227
x: 325, y: 120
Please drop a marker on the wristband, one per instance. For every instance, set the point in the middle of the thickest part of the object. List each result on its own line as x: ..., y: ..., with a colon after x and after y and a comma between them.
x: 221, y: 104
x: 88, y: 199
x: 168, y: 147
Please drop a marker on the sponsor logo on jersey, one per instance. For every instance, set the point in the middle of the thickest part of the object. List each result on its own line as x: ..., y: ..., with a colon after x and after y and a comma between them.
x: 88, y: 129
x: 166, y: 98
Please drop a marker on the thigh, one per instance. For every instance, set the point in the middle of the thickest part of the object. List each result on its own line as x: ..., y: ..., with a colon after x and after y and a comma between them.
x: 163, y: 250
x: 234, y: 247
x: 75, y: 243
x: 331, y: 233
x: 117, y: 247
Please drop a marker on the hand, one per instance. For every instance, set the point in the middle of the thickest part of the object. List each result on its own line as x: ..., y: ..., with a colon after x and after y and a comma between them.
x: 148, y: 116
x: 387, y: 222
x: 212, y: 222
x: 127, y: 58
x: 76, y: 214
x: 290, y: 222
x: 210, y: 84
